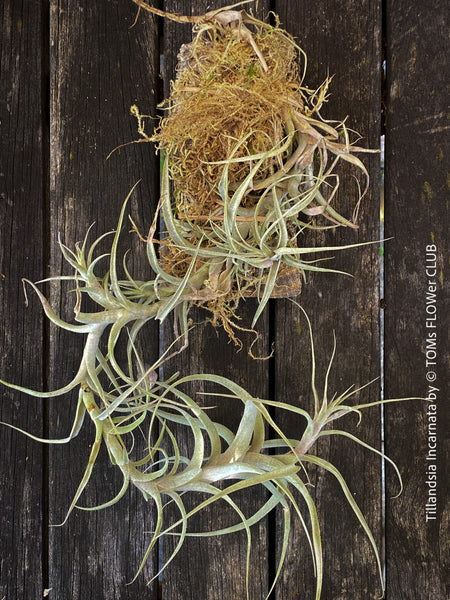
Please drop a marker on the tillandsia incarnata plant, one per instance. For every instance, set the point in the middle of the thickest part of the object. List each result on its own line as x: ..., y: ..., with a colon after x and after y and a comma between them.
x: 248, y: 162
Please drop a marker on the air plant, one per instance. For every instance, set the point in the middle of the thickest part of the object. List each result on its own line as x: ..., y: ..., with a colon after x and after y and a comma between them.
x: 122, y: 399
x: 234, y: 219
x: 249, y: 165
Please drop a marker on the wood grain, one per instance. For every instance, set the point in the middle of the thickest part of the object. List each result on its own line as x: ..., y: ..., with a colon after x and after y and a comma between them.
x: 22, y: 178
x: 70, y: 70
x: 343, y: 39
x: 99, y: 68
x: 220, y: 561
x: 417, y: 151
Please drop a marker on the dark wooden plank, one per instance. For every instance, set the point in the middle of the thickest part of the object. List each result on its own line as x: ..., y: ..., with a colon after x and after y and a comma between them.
x: 341, y: 38
x: 99, y: 68
x: 21, y: 331
x: 215, y: 568
x: 417, y: 148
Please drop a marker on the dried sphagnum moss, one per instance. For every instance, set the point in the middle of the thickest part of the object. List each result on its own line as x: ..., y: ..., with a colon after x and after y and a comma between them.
x: 269, y: 174
x: 225, y: 94
x: 248, y: 162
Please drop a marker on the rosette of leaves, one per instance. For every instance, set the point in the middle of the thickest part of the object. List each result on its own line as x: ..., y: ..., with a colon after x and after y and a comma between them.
x: 123, y: 398
x: 235, y: 217
x: 249, y: 165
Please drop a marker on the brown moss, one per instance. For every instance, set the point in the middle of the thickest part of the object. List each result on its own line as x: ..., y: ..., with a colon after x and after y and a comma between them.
x: 226, y: 103
x: 248, y: 163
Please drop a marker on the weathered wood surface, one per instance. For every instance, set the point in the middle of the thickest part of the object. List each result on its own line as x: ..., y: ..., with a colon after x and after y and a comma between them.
x: 417, y: 191
x: 22, y: 251
x: 221, y: 561
x: 341, y: 38
x: 54, y: 180
x: 99, y: 68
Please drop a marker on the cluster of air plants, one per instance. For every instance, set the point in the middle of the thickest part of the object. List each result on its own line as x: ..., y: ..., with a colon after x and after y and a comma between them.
x: 124, y: 399
x: 248, y: 161
x: 235, y: 202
